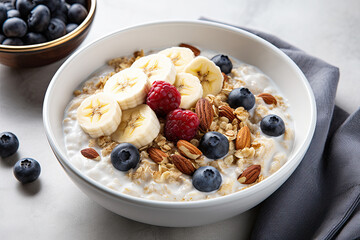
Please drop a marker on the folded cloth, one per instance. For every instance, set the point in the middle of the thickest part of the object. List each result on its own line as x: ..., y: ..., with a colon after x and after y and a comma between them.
x: 321, y: 199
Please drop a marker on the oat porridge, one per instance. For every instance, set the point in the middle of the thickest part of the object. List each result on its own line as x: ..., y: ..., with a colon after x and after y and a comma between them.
x: 178, y: 125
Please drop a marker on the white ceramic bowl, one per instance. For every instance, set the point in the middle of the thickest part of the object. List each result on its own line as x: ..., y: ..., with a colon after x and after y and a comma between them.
x: 220, y: 38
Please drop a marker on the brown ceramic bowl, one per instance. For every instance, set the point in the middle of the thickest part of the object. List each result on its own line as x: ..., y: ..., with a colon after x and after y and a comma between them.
x: 45, y: 53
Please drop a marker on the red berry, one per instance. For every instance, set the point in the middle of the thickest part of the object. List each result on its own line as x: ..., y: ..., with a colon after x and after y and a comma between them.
x: 163, y: 98
x: 181, y: 124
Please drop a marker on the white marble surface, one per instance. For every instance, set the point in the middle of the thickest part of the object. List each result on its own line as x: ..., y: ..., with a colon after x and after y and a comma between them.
x: 54, y: 208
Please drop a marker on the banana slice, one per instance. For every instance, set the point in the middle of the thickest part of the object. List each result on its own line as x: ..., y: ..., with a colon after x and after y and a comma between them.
x: 138, y: 126
x: 157, y: 67
x: 129, y: 87
x: 190, y: 89
x: 99, y: 115
x: 209, y: 74
x: 180, y: 56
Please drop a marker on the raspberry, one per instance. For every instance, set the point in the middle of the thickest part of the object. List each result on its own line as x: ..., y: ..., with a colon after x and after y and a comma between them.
x: 163, y: 98
x: 181, y: 124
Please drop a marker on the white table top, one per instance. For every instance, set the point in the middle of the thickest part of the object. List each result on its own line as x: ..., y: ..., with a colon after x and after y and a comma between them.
x: 54, y: 208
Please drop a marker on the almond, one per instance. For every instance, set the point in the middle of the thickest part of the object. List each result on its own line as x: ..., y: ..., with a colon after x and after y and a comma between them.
x: 226, y: 111
x: 243, y: 138
x: 268, y: 98
x: 205, y: 112
x: 90, y: 153
x: 250, y: 174
x: 188, y: 150
x: 195, y: 50
x: 183, y: 164
x: 157, y: 155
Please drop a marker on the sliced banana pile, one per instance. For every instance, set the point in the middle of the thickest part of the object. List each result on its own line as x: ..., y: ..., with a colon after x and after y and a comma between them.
x: 119, y: 111
x: 139, y: 126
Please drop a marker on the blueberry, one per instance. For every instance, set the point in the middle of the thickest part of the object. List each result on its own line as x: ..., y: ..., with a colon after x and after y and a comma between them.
x: 13, y: 13
x: 206, y: 179
x: 39, y: 18
x: 272, y: 125
x: 61, y: 13
x: 223, y: 62
x: 2, y: 38
x: 3, y: 13
x: 71, y: 27
x: 13, y: 41
x: 14, y: 27
x: 9, y: 6
x: 82, y: 2
x: 125, y: 156
x: 55, y: 29
x: 24, y: 7
x: 214, y: 145
x: 77, y: 13
x: 34, y: 38
x: 51, y: 4
x: 241, y: 97
x: 27, y: 170
x: 9, y: 144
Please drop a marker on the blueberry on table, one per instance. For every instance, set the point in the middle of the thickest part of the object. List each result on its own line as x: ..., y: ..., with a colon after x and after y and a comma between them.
x: 24, y: 7
x: 3, y: 13
x: 14, y: 27
x: 241, y: 97
x: 206, y: 179
x: 223, y: 62
x: 71, y: 27
x: 9, y: 144
x: 39, y: 18
x: 34, y: 38
x: 27, y: 170
x: 125, y: 156
x: 13, y: 42
x: 55, y: 29
x: 77, y: 13
x: 13, y: 13
x: 272, y: 125
x: 214, y: 145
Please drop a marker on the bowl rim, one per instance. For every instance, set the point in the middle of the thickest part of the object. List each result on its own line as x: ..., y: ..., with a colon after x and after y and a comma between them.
x: 296, y: 158
x: 47, y: 45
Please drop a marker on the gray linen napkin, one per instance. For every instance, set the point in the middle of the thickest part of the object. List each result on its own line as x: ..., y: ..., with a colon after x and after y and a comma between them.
x: 321, y: 199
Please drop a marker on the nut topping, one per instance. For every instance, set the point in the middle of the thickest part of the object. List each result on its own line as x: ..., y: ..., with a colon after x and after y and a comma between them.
x: 226, y: 111
x: 268, y: 98
x: 188, y: 150
x: 183, y: 164
x: 157, y: 155
x: 250, y: 174
x: 243, y: 138
x: 205, y: 113
x: 90, y: 153
x: 192, y: 48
